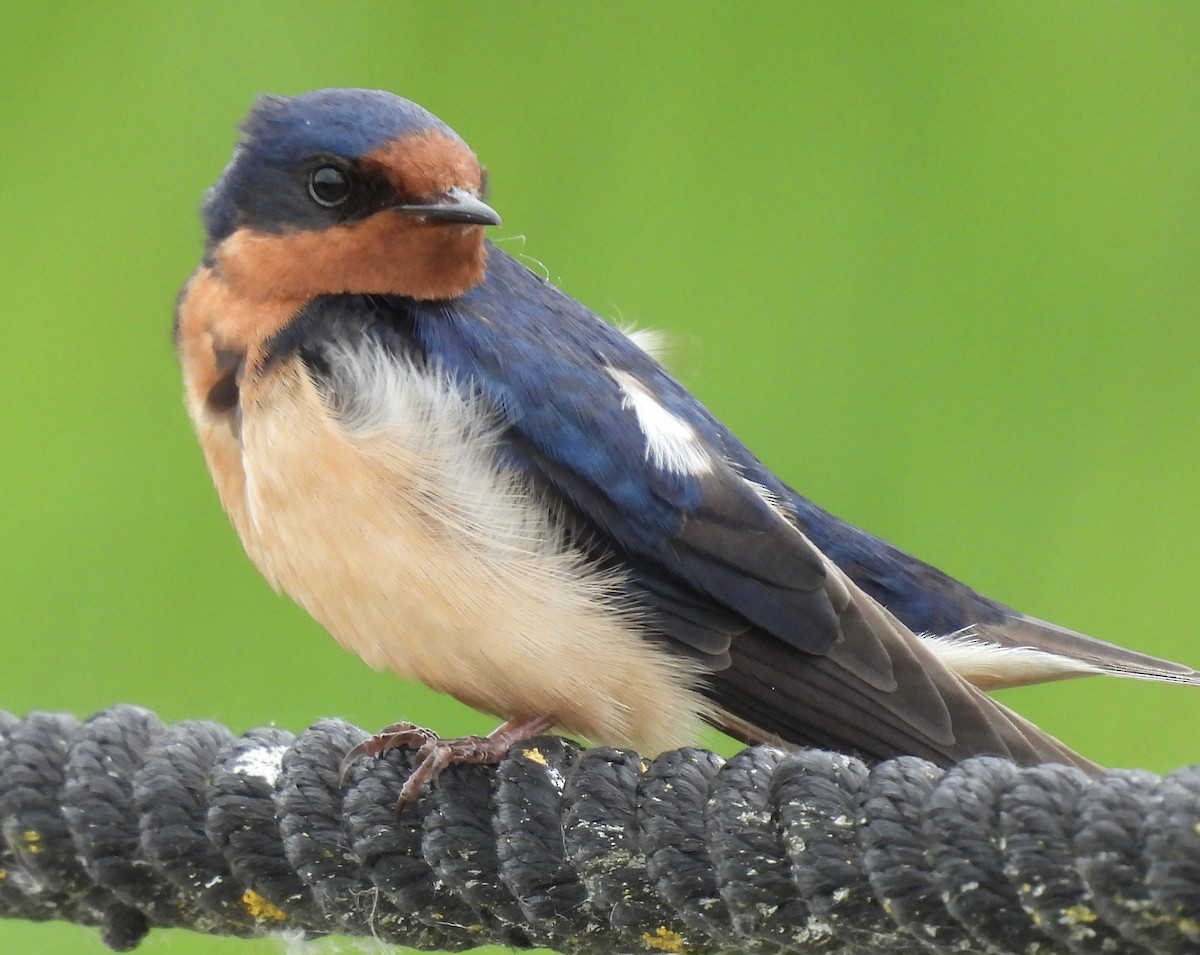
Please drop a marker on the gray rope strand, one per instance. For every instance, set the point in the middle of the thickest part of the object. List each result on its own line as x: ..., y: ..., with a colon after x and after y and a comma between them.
x: 124, y: 823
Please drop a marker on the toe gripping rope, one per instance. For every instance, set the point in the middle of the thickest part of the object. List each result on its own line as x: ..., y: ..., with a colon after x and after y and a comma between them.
x: 124, y: 823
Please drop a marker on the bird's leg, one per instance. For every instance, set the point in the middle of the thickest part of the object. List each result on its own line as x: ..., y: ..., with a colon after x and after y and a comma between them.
x: 434, y: 753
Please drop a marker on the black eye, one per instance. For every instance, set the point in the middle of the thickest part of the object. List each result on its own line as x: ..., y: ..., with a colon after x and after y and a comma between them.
x: 328, y: 185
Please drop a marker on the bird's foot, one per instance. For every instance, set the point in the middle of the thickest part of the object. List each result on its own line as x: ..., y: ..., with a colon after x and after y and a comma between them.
x: 396, y: 736
x: 433, y: 754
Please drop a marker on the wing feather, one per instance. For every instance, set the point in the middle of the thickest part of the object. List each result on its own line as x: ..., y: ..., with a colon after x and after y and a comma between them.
x: 797, y: 651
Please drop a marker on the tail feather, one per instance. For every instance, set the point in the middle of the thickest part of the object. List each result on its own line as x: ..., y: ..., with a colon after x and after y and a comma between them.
x: 1021, y: 650
x: 879, y: 691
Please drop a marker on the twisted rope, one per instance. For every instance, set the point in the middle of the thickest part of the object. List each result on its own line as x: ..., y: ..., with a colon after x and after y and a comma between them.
x: 124, y: 823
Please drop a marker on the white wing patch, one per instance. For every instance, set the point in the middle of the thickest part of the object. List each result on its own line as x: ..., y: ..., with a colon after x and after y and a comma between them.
x: 671, y: 443
x: 990, y: 665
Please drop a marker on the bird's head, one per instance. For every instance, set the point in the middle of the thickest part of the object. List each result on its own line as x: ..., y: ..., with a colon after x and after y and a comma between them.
x: 348, y: 190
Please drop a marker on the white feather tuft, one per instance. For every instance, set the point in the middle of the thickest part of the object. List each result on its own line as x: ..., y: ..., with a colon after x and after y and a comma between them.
x: 671, y: 443
x: 991, y: 665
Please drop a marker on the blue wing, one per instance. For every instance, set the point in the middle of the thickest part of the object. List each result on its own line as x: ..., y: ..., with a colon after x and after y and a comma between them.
x: 548, y: 363
x: 715, y: 554
x: 797, y: 651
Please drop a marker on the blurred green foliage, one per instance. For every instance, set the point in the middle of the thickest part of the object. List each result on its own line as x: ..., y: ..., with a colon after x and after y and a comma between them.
x: 935, y: 262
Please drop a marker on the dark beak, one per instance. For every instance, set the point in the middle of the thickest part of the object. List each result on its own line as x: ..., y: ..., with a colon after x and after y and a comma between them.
x: 457, y: 205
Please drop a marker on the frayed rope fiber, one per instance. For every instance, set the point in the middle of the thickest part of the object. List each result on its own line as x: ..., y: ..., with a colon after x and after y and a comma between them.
x: 124, y: 823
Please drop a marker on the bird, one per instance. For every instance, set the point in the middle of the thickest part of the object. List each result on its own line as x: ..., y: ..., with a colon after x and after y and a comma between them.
x: 473, y: 480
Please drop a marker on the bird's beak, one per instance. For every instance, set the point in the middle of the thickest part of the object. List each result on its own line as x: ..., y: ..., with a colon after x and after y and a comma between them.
x: 456, y: 205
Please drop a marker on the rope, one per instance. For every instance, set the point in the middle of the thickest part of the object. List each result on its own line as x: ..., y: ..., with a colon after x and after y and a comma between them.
x: 124, y: 823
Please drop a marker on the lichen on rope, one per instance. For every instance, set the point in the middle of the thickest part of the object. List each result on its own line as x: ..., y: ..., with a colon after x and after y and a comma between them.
x: 126, y: 824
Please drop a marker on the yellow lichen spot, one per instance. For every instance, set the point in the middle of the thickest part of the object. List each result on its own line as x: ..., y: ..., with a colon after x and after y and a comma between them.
x: 663, y: 939
x: 536, y: 755
x: 31, y: 840
x: 1080, y: 913
x: 261, y: 909
x: 3, y: 875
x: 1189, y: 926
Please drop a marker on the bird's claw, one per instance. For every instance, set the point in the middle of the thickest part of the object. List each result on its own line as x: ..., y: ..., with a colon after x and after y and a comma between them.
x: 396, y: 736
x: 433, y: 754
x: 436, y: 754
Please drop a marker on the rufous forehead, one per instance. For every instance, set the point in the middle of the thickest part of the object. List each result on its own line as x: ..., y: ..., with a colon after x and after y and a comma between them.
x: 427, y: 163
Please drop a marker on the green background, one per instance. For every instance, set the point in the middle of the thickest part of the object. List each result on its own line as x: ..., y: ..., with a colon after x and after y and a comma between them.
x: 935, y: 262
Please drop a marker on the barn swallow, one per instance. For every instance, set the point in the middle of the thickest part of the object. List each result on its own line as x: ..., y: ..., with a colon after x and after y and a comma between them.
x: 471, y: 479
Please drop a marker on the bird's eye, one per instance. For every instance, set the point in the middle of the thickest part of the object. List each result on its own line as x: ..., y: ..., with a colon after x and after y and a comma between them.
x: 328, y: 185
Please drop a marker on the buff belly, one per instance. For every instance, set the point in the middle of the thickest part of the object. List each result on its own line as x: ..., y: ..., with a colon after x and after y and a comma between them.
x: 392, y: 524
